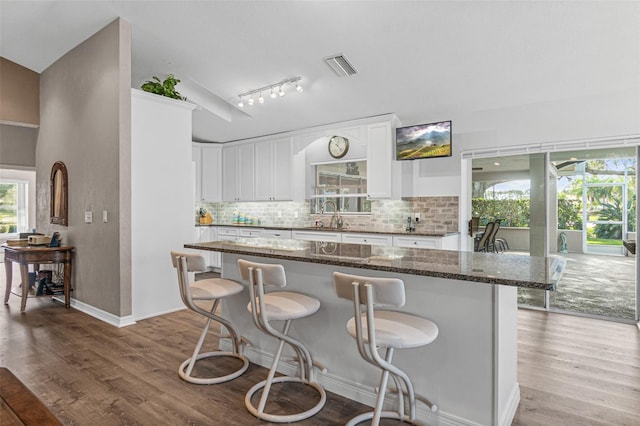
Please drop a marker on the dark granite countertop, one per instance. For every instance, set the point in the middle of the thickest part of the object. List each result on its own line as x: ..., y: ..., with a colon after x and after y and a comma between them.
x: 417, y: 233
x: 504, y: 269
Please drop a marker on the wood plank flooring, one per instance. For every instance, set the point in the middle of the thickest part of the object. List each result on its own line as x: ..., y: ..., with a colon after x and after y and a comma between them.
x: 572, y: 371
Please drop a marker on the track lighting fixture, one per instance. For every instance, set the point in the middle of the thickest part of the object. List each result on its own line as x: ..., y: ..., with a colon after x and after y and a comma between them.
x: 280, y: 86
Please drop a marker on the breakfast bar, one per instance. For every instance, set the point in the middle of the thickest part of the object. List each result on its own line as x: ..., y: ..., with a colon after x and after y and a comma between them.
x: 469, y: 371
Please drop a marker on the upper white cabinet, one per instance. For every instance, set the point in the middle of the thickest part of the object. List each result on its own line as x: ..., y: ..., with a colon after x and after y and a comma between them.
x: 211, y: 187
x: 238, y: 172
x: 380, y: 160
x: 274, y: 170
x: 208, y: 169
x: 196, y: 157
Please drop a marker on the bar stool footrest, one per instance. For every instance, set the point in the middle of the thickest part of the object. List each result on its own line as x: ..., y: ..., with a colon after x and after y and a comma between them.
x: 286, y: 418
x: 213, y: 380
x: 383, y: 415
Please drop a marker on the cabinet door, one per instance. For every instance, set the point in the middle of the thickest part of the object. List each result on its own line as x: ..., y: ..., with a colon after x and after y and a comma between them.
x: 371, y: 239
x: 246, y: 172
x: 211, y: 174
x: 333, y: 237
x: 418, y: 242
x: 196, y: 157
x: 379, y: 161
x: 282, y: 170
x: 230, y: 173
x: 264, y: 170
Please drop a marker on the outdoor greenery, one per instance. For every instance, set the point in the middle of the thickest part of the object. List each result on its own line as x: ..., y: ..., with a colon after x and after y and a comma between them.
x: 605, y: 203
x: 8, y: 199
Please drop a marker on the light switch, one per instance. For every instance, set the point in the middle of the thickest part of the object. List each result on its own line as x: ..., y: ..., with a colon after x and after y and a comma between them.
x: 104, y: 216
x: 88, y: 217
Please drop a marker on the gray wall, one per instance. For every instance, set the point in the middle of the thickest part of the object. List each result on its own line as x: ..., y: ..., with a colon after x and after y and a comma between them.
x: 17, y: 146
x: 84, y: 124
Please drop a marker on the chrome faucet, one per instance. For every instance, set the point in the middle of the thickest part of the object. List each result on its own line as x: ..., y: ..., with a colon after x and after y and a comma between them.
x: 336, y: 219
x: 410, y: 225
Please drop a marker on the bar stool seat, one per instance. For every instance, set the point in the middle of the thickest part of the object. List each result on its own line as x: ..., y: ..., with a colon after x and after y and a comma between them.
x: 210, y: 290
x: 286, y: 305
x: 375, y: 329
x: 279, y: 306
x: 397, y: 330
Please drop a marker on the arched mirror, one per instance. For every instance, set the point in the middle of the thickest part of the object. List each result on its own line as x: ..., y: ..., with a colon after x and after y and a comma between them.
x: 59, y: 194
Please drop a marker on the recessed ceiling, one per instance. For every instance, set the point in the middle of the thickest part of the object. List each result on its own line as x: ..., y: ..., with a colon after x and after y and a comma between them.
x: 425, y: 61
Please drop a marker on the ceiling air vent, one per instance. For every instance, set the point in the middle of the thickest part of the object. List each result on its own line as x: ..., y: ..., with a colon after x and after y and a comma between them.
x: 340, y: 65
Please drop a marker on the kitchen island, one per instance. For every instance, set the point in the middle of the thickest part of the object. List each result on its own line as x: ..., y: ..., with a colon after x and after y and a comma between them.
x: 469, y: 372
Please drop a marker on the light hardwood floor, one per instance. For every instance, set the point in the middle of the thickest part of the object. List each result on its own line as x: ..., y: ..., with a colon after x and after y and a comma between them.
x: 572, y: 371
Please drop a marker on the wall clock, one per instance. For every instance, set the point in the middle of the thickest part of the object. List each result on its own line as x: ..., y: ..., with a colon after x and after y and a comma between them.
x: 338, y: 146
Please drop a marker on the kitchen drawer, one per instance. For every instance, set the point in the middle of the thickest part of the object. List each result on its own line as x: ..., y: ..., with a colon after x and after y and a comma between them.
x: 250, y: 233
x: 282, y: 234
x: 417, y: 242
x: 371, y: 239
x: 333, y: 237
x: 228, y: 234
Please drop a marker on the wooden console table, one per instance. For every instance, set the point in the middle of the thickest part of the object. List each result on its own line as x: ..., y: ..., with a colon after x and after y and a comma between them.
x: 36, y: 255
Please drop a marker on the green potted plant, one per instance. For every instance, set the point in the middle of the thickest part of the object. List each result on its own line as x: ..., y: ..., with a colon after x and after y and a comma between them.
x: 165, y: 88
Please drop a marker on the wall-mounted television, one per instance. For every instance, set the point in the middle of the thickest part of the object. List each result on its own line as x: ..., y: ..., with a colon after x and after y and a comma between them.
x: 423, y: 141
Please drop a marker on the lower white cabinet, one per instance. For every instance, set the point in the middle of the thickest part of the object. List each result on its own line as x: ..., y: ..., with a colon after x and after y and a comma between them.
x: 332, y: 237
x: 205, y: 234
x: 277, y: 234
x: 449, y: 242
x: 371, y: 239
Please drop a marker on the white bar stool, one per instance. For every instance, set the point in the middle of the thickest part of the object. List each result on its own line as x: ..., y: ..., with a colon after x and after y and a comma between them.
x: 390, y: 330
x: 212, y: 289
x: 279, y: 306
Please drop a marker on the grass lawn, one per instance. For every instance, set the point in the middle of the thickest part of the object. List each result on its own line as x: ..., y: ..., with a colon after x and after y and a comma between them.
x: 604, y: 242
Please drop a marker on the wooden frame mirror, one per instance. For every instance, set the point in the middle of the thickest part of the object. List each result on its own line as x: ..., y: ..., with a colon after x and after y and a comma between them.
x: 59, y: 194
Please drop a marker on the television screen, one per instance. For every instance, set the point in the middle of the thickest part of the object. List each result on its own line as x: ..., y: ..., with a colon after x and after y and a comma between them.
x: 423, y: 141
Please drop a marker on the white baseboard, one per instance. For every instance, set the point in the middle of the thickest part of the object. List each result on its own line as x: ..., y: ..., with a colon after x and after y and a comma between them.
x: 512, y: 406
x: 155, y: 314
x: 355, y: 391
x: 107, y: 317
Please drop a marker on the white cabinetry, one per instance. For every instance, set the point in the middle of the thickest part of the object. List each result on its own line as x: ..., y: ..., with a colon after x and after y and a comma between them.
x: 208, y: 165
x: 238, y: 173
x: 205, y: 234
x: 371, y: 239
x: 333, y: 237
x: 196, y: 157
x: 274, y: 170
x: 250, y: 232
x: 211, y: 173
x: 279, y: 234
x: 228, y: 234
x: 380, y: 161
x: 449, y: 242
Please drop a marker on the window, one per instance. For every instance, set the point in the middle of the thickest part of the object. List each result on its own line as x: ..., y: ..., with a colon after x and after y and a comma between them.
x: 13, y: 206
x: 343, y: 183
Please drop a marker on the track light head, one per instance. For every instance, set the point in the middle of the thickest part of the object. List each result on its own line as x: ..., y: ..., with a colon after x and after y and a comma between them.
x: 240, y: 103
x: 273, y: 94
x: 260, y: 98
x: 298, y: 88
x: 250, y: 101
x: 281, y: 91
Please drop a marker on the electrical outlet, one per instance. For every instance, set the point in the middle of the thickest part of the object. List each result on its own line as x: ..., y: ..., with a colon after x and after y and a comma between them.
x: 295, y: 214
x: 279, y: 213
x: 104, y: 216
x: 417, y: 216
x: 88, y: 217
